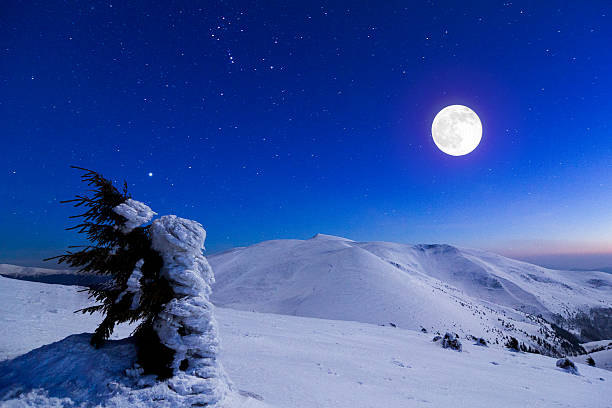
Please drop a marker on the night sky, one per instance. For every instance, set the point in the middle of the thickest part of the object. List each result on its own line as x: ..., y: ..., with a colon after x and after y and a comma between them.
x: 266, y: 121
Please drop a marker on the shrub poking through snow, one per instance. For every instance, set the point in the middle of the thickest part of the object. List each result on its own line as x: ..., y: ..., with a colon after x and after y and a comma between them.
x: 590, y: 361
x: 481, y: 342
x: 451, y: 341
x: 478, y: 341
x: 512, y: 344
x: 158, y: 277
x: 567, y: 365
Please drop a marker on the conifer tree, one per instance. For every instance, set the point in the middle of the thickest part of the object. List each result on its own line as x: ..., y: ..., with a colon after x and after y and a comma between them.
x: 120, y: 248
x: 158, y: 276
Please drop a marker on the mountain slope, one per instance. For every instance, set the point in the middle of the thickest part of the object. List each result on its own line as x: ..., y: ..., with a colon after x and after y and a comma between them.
x: 437, y: 287
x: 283, y: 361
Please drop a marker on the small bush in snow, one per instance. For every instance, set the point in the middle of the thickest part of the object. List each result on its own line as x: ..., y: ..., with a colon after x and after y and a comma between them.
x: 512, y: 344
x: 567, y: 365
x: 478, y: 341
x: 481, y: 342
x: 590, y: 361
x: 451, y: 341
x: 436, y: 338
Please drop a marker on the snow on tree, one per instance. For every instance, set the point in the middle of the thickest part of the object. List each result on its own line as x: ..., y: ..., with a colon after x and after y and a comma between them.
x: 135, y: 213
x: 187, y: 324
x: 133, y: 286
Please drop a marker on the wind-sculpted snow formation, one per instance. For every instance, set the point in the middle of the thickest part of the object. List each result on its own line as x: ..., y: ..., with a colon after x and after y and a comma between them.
x: 186, y: 324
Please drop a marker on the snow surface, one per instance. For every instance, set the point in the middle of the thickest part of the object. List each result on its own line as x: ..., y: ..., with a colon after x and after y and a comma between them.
x: 438, y: 287
x: 33, y: 314
x: 285, y: 361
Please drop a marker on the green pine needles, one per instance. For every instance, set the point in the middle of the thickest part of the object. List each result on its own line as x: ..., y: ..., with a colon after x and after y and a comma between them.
x: 115, y: 252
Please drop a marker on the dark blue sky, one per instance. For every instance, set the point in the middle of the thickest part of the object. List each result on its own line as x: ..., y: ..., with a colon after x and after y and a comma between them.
x: 267, y: 121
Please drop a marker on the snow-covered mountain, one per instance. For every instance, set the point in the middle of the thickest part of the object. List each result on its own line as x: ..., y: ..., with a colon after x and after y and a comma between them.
x: 273, y: 361
x: 435, y: 287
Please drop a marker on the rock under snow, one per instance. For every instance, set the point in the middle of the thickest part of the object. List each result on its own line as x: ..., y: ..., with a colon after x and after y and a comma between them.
x: 567, y: 365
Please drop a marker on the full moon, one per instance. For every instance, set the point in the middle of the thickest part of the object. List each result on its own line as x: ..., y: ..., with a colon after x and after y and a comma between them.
x: 456, y: 130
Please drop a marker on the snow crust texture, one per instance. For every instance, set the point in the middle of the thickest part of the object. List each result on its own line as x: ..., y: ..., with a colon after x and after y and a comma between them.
x: 136, y: 214
x: 187, y: 324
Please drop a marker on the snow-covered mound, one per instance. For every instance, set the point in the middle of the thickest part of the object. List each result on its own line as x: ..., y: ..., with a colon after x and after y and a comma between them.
x: 437, y: 287
x: 285, y: 361
x: 71, y: 372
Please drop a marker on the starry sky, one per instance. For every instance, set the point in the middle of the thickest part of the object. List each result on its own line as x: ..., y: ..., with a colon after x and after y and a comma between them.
x: 264, y: 120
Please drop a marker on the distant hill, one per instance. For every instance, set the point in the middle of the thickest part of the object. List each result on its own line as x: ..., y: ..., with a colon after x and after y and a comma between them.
x: 57, y: 276
x: 435, y: 287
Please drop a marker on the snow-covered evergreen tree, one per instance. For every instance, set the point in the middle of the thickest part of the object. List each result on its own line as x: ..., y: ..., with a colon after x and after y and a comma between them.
x: 158, y: 277
x: 120, y: 248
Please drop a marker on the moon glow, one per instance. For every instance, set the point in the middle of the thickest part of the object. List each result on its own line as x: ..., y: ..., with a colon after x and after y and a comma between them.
x: 456, y: 130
